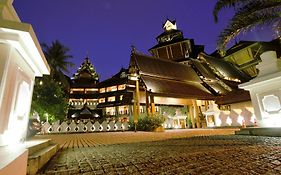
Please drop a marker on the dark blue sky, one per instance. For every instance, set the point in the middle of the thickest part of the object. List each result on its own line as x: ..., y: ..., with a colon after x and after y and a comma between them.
x: 105, y: 29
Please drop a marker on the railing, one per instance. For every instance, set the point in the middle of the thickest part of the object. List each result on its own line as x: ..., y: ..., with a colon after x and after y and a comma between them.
x: 64, y: 127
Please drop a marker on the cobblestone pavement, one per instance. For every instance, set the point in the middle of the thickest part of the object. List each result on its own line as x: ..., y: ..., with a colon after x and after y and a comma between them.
x: 228, y: 154
x: 105, y: 138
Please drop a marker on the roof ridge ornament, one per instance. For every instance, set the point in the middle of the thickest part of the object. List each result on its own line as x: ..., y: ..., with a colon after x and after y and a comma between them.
x: 134, y: 50
x: 170, y: 25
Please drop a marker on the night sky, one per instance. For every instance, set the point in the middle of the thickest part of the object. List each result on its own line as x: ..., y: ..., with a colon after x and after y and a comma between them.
x: 105, y: 29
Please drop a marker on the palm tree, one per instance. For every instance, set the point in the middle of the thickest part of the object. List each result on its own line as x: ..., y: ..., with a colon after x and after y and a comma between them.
x: 57, y: 57
x: 248, y: 15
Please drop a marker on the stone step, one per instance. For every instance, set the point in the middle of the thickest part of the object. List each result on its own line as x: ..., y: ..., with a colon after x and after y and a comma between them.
x: 40, y: 154
x: 36, y: 145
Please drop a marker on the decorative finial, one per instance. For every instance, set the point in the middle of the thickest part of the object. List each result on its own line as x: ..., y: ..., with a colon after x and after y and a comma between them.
x: 134, y: 50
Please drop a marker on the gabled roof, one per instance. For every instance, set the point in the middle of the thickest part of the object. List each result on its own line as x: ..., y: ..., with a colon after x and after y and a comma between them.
x: 120, y: 78
x: 168, y: 78
x: 225, y: 69
x: 237, y: 47
x: 85, y: 113
x: 85, y: 76
x: 164, y: 68
x: 86, y: 70
x: 168, y: 43
x: 171, y: 88
x: 234, y: 96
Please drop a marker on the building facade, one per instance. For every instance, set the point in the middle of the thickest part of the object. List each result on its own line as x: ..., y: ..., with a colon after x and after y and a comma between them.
x: 83, y: 95
x: 203, y: 89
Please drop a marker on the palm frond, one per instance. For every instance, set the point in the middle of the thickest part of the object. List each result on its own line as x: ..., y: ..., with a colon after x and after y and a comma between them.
x: 221, y: 4
x: 244, y: 22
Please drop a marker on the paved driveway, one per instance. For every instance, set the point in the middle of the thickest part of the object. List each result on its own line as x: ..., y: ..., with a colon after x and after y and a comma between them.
x: 178, y: 153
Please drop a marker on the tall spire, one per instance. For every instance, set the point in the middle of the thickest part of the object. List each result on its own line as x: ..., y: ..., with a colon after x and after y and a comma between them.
x: 86, y: 70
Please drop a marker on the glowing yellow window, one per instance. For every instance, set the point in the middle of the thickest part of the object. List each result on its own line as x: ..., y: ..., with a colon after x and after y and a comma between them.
x: 102, y: 100
x: 112, y: 88
x: 122, y: 87
x: 110, y: 99
x: 102, y: 90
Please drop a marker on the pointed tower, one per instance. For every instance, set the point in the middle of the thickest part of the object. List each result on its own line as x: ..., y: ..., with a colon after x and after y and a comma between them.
x: 86, y: 73
x: 173, y: 46
x: 83, y: 97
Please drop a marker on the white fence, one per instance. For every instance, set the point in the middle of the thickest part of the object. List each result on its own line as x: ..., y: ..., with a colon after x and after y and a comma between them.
x: 81, y: 127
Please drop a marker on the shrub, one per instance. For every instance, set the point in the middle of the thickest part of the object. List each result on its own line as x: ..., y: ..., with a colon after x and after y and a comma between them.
x: 147, y: 123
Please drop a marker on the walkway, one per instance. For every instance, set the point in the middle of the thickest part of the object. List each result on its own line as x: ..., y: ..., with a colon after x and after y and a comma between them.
x: 176, y: 153
x: 108, y: 138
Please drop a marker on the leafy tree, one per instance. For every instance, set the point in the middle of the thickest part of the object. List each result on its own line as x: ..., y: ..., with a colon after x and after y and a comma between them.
x: 248, y: 15
x: 58, y: 59
x: 57, y: 56
x: 48, y: 99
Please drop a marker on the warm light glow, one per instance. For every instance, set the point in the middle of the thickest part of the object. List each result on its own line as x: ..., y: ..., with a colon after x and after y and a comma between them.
x: 228, y: 121
x: 218, y: 122
x: 110, y: 110
x: 90, y: 90
x: 77, y: 89
x: 17, y: 121
x: 240, y: 120
x: 111, y: 99
x: 253, y: 119
x: 111, y: 89
x: 102, y: 100
x: 102, y: 90
x: 123, y: 110
x: 170, y: 26
x: 122, y: 87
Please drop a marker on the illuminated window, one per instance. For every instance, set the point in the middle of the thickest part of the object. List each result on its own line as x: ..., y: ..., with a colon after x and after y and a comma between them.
x: 76, y: 90
x: 90, y: 90
x: 112, y: 88
x: 92, y: 102
x: 102, y: 100
x: 121, y: 97
x: 102, y: 90
x: 110, y: 99
x: 122, y: 87
x: 110, y: 110
x: 123, y: 110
